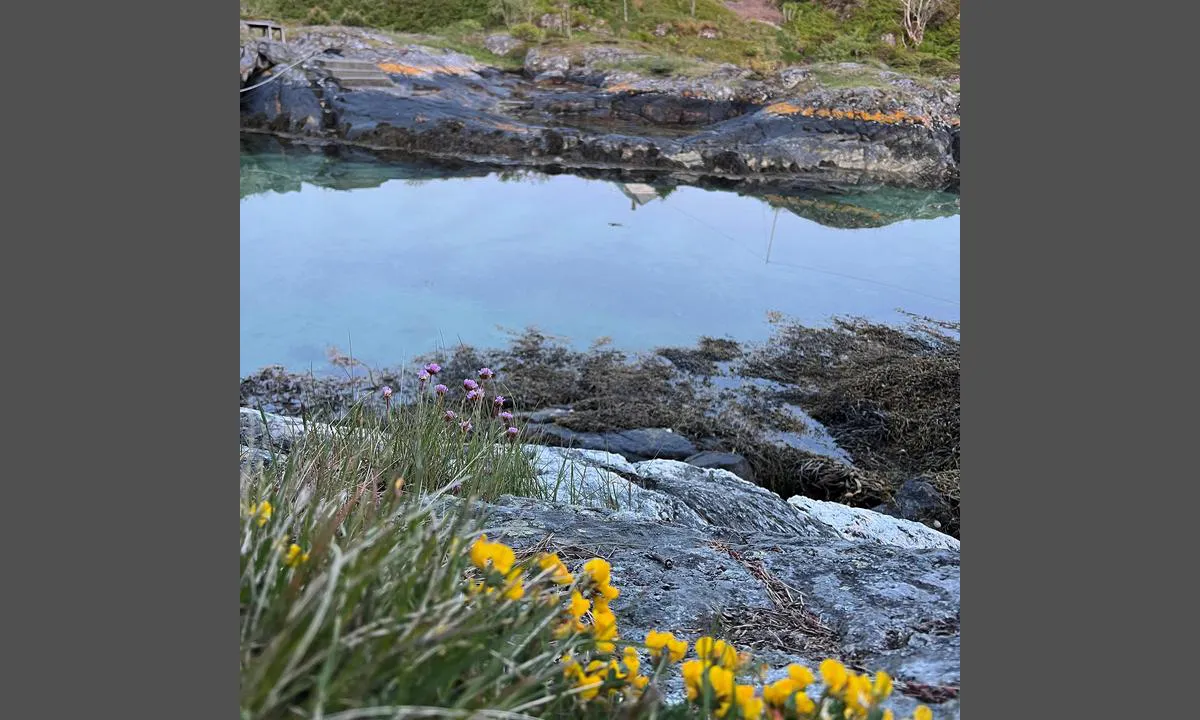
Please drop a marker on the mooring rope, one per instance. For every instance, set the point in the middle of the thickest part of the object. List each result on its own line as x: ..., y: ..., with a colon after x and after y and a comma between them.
x: 281, y: 72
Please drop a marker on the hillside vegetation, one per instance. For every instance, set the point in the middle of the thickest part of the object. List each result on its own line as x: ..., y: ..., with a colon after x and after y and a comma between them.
x: 799, y: 32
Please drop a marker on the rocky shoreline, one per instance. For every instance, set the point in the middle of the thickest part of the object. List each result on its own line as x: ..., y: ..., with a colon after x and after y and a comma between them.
x: 861, y: 414
x: 794, y: 580
x: 603, y: 107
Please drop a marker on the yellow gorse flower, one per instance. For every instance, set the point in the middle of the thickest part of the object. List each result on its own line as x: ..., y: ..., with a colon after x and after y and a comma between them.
x: 561, y: 575
x: 922, y: 713
x: 515, y: 588
x: 660, y: 642
x: 883, y: 685
x: 631, y: 661
x: 749, y: 706
x: 498, y: 555
x: 691, y: 671
x: 599, y: 570
x: 717, y: 652
x: 777, y: 693
x: 262, y: 512
x: 801, y: 676
x: 295, y: 556
x: 834, y: 674
x: 578, y: 606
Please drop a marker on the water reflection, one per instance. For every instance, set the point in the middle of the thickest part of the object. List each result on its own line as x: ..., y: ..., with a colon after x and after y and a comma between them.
x: 397, y: 259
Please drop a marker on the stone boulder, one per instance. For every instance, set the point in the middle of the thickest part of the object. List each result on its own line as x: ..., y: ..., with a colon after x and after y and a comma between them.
x: 501, y: 44
x: 918, y: 500
x: 541, y: 60
x: 634, y: 445
x: 732, y: 462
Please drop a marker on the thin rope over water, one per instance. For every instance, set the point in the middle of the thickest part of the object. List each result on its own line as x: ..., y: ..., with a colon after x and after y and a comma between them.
x: 281, y: 72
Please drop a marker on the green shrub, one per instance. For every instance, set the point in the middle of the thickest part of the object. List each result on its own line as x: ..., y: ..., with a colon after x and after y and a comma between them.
x: 463, y: 27
x: 528, y: 32
x: 318, y: 16
x: 352, y: 18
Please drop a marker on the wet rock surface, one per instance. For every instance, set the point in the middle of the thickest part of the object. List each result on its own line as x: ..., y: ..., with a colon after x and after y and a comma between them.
x: 598, y: 108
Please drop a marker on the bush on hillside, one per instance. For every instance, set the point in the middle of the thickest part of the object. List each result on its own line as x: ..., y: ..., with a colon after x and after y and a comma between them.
x: 318, y: 16
x: 528, y: 32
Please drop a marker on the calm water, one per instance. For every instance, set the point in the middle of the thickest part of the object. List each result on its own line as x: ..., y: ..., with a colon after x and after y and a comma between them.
x: 366, y: 255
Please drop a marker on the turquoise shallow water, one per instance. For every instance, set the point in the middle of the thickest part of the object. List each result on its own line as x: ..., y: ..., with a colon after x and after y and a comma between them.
x: 362, y: 255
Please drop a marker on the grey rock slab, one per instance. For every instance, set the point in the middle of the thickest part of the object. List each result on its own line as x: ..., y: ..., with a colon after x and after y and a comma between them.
x: 725, y: 500
x: 891, y: 608
x: 870, y: 526
x: 591, y: 478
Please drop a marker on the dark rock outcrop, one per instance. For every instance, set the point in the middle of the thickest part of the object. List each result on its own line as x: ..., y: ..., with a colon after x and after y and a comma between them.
x: 599, y: 113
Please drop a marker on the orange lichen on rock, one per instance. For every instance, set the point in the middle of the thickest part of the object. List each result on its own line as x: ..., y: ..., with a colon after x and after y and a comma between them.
x: 783, y: 108
x: 398, y: 69
x: 511, y: 128
x: 892, y: 118
x: 620, y: 87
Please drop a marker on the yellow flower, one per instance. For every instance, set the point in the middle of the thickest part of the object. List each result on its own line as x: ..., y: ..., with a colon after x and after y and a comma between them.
x: 499, y: 555
x: 717, y: 652
x: 883, y: 685
x: 578, y: 605
x: 615, y: 670
x: 262, y: 511
x: 922, y: 713
x: 834, y: 675
x: 657, y: 642
x: 721, y: 681
x: 608, y: 592
x: 631, y: 660
x: 568, y: 627
x: 600, y: 605
x: 777, y: 693
x: 599, y: 570
x: 515, y: 589
x: 804, y: 704
x: 594, y: 680
x: 691, y: 671
x: 749, y: 706
x: 561, y: 575
x: 857, y: 693
x: 801, y: 676
x: 604, y: 625
x: 295, y: 556
x: 571, y: 668
x: 889, y: 715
